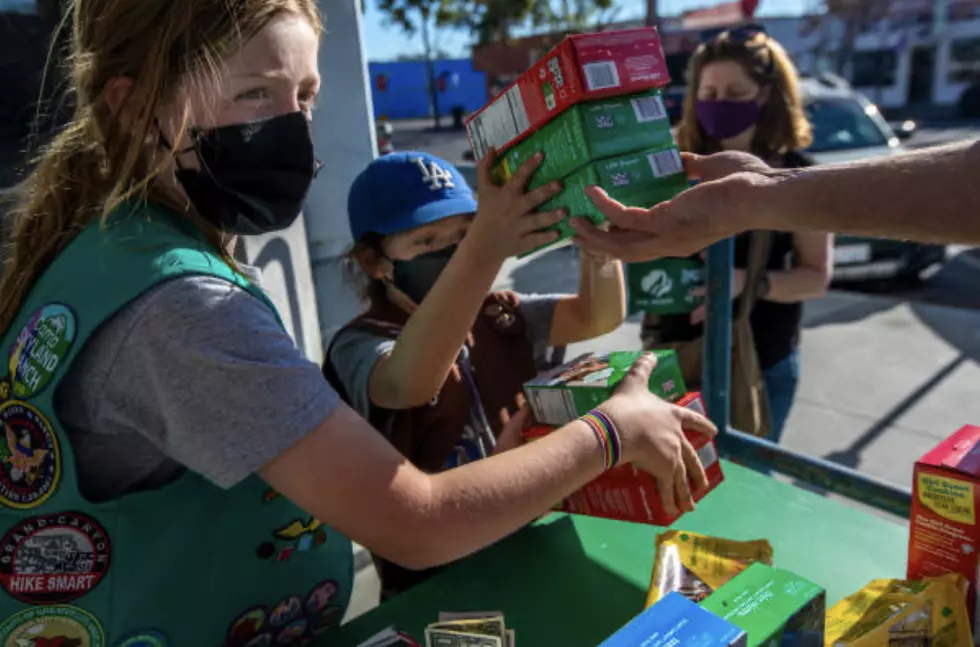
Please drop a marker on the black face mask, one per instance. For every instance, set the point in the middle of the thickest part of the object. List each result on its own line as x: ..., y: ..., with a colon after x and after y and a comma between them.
x: 254, y: 176
x: 416, y: 276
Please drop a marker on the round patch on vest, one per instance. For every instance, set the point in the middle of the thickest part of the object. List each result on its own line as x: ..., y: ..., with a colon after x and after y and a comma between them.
x: 53, y: 558
x: 41, y: 345
x: 144, y: 639
x: 58, y: 626
x: 30, y: 459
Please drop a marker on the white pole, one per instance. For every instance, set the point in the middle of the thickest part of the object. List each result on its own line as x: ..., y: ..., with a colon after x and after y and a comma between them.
x: 343, y: 133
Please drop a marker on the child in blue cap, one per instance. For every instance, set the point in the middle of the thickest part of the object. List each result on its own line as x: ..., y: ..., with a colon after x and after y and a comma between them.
x: 438, y: 360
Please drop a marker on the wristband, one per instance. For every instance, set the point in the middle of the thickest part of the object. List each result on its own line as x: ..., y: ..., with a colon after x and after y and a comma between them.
x: 607, y: 434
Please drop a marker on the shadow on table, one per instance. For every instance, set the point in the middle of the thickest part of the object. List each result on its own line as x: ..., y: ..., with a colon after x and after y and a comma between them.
x: 548, y: 588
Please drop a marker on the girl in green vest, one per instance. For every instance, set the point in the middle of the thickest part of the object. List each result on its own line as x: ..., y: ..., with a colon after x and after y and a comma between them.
x: 172, y: 469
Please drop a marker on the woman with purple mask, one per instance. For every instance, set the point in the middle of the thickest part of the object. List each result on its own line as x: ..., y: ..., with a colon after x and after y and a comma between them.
x: 743, y: 95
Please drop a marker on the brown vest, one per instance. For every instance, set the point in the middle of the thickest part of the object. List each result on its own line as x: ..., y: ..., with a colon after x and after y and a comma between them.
x: 501, y: 360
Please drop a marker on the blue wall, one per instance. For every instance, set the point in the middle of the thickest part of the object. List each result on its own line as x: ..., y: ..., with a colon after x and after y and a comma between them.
x: 407, y: 97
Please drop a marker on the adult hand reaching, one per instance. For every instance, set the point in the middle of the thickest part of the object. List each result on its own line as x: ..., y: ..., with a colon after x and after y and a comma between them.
x: 710, y: 211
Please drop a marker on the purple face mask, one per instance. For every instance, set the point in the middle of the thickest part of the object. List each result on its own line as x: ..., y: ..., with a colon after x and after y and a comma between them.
x: 725, y: 119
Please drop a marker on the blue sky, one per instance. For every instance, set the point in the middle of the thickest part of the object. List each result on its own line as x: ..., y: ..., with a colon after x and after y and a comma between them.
x: 385, y: 42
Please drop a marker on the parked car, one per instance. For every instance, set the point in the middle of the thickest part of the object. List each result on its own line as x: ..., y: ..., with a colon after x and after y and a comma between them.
x: 846, y: 127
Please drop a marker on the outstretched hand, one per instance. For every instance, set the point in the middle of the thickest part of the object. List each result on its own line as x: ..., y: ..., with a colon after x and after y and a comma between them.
x: 694, y: 219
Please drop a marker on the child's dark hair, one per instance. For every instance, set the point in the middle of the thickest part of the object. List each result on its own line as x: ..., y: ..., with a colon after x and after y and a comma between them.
x: 368, y: 289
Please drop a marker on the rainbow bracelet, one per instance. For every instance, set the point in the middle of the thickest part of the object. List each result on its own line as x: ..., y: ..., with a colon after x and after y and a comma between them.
x: 607, y: 434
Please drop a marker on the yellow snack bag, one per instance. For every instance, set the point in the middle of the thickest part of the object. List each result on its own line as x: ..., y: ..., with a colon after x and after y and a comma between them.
x: 695, y: 565
x: 902, y: 613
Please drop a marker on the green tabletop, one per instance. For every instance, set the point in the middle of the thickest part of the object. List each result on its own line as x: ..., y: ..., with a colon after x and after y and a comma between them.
x: 572, y: 580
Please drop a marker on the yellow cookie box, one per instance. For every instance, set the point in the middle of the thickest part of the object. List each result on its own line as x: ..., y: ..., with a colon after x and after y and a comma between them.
x: 900, y: 612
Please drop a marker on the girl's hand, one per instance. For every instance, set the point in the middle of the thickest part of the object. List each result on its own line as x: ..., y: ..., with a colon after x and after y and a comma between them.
x: 700, y: 313
x: 505, y: 224
x: 512, y: 433
x: 652, y: 434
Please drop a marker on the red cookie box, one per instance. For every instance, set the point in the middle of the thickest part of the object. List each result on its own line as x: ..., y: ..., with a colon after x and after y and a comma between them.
x: 944, y: 534
x: 627, y: 493
x: 580, y: 68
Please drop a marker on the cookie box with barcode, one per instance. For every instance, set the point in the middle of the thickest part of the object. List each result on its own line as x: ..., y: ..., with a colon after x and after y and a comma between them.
x: 580, y: 68
x: 590, y: 131
x: 639, y: 179
x: 627, y: 493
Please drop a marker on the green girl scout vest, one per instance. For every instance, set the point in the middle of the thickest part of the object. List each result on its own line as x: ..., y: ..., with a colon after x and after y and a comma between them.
x: 187, y: 565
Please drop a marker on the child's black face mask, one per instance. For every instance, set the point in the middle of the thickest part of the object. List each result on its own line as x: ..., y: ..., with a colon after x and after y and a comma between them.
x: 416, y: 276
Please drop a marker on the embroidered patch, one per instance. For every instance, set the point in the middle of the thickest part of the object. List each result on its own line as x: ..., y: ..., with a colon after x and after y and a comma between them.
x: 290, y: 622
x: 286, y: 612
x: 4, y: 390
x: 246, y: 628
x: 57, y: 626
x: 144, y: 639
x: 297, y: 536
x: 320, y: 597
x: 53, y: 558
x: 41, y: 345
x: 30, y: 459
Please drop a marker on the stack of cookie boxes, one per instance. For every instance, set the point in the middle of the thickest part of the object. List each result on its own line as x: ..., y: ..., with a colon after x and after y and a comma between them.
x: 593, y: 106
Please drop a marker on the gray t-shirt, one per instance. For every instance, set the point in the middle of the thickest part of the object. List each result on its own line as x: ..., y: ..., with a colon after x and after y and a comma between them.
x: 197, y: 374
x: 353, y: 353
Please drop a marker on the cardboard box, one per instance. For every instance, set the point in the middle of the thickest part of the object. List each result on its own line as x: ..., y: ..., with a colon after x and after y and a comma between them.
x: 580, y: 68
x: 944, y: 534
x: 664, y: 286
x: 638, y: 179
x: 675, y: 621
x: 573, y: 389
x: 588, y: 132
x: 626, y: 493
x: 773, y: 606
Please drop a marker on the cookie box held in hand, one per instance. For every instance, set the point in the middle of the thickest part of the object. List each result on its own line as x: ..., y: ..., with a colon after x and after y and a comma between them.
x: 639, y: 179
x: 588, y: 132
x: 664, y: 286
x: 773, y: 606
x: 564, y: 393
x: 675, y: 621
x: 627, y: 493
x: 944, y: 534
x: 580, y: 68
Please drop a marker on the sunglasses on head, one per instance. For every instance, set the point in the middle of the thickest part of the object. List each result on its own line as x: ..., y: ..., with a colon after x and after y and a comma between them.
x: 740, y: 34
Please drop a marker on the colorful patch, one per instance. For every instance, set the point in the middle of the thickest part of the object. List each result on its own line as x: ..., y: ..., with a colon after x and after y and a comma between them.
x: 297, y: 536
x: 246, y: 627
x: 53, y: 558
x: 58, y: 626
x: 320, y: 597
x: 30, y: 459
x: 39, y: 349
x: 286, y: 612
x: 144, y: 639
x: 289, y: 623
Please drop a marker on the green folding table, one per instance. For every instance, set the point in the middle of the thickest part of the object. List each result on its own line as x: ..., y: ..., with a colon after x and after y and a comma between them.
x: 571, y: 581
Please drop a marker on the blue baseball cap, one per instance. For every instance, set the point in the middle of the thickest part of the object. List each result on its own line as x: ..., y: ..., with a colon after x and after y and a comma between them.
x: 404, y: 190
